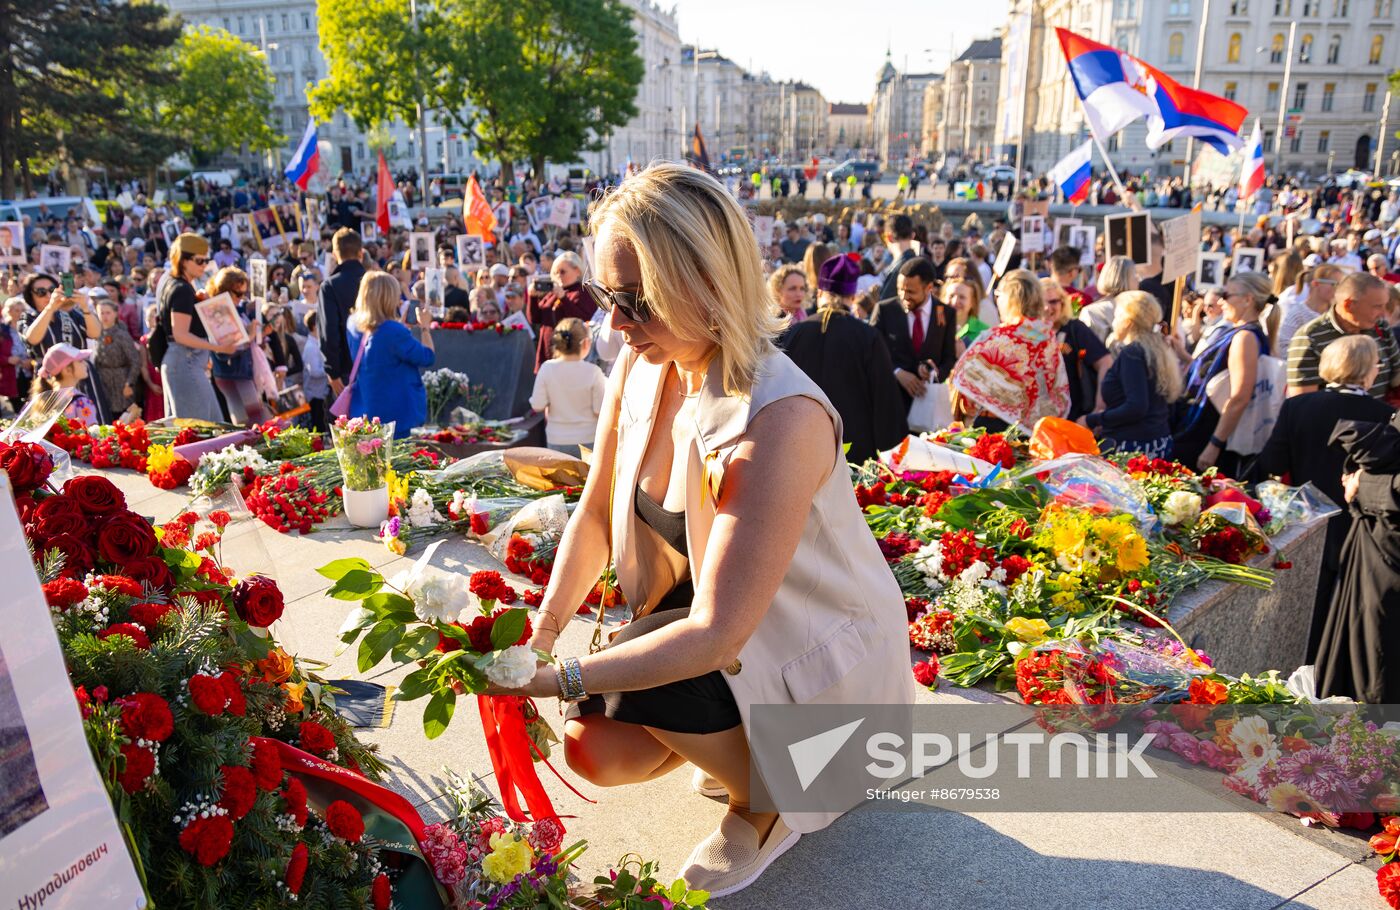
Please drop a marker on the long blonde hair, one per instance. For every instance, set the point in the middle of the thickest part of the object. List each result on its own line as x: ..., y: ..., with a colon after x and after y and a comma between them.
x: 377, y: 303
x: 1024, y: 297
x: 1135, y: 318
x: 700, y: 265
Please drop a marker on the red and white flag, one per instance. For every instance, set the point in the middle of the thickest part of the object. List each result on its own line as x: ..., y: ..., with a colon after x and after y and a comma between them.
x: 1252, y: 174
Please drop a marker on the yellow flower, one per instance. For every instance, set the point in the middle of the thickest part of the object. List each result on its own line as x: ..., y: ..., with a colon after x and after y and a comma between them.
x: 1066, y: 537
x: 1027, y: 630
x: 1132, y: 554
x: 294, y: 691
x: 159, y: 458
x: 395, y: 545
x: 510, y: 856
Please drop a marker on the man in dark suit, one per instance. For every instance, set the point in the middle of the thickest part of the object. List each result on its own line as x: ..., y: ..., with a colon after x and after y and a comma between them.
x: 899, y: 240
x: 338, y: 295
x: 919, y: 332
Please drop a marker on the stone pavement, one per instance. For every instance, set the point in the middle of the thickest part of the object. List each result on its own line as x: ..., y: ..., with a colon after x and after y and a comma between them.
x: 869, y: 858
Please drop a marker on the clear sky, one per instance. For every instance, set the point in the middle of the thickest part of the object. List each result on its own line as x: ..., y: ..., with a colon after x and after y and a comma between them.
x: 837, y: 45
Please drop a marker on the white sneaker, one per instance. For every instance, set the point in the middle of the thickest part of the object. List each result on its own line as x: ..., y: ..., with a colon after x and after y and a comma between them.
x: 706, y: 785
x: 731, y: 859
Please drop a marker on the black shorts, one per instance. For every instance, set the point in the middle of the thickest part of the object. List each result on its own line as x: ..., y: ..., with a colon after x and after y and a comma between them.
x: 701, y: 704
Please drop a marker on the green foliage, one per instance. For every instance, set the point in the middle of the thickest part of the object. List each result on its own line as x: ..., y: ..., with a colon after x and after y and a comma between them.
x: 219, y: 95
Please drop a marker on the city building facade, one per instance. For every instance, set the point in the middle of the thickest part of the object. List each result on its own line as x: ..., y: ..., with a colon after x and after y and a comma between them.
x: 967, y: 104
x: 847, y: 129
x: 897, y: 115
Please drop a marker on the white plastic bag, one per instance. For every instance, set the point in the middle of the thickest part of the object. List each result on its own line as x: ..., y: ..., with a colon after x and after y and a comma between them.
x: 931, y: 411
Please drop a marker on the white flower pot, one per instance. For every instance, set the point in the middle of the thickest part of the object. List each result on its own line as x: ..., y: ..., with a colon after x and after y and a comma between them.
x: 366, y: 508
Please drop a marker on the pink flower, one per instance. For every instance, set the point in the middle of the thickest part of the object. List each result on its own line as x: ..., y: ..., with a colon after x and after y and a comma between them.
x: 1185, y: 745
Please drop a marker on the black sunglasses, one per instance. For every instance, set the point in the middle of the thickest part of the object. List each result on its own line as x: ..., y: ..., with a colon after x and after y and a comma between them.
x: 632, y: 304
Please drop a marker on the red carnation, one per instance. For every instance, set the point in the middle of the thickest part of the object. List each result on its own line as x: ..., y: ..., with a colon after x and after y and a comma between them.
x: 1015, y: 566
x: 208, y: 694
x: 62, y: 593
x: 315, y: 738
x: 480, y: 523
x: 130, y: 630
x: 149, y: 570
x: 487, y: 585
x: 1388, y: 882
x: 993, y: 449
x: 119, y: 584
x: 345, y: 821
x: 220, y: 518
x: 294, y: 798
x: 207, y: 597
x: 148, y: 615
x: 258, y: 601
x: 140, y: 764
x: 95, y: 495
x: 266, y: 764
x: 237, y: 702
x: 125, y: 538
x: 208, y: 839
x: 27, y: 463
x: 380, y: 892
x: 296, y: 868
x: 147, y: 716
x: 926, y: 672
x: 240, y: 791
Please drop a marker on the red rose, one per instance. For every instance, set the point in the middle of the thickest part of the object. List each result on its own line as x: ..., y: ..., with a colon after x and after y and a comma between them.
x: 78, y: 558
x: 130, y: 630
x: 125, y: 538
x: 240, y: 791
x: 258, y: 601
x: 27, y: 463
x: 266, y: 764
x: 148, y: 616
x: 208, y: 694
x: 139, y: 765
x: 61, y: 518
x: 345, y: 821
x: 380, y: 892
x: 147, y: 716
x: 926, y: 672
x: 237, y: 702
x: 118, y: 584
x: 296, y: 869
x: 95, y: 495
x: 1388, y: 882
x: 149, y: 570
x: 294, y: 799
x: 207, y: 839
x: 62, y: 593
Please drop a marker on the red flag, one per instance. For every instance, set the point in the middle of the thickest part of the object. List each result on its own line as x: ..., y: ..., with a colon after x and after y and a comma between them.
x: 476, y: 212
x: 385, y: 191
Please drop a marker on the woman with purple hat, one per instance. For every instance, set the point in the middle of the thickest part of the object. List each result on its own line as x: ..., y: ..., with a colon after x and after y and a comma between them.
x: 848, y: 359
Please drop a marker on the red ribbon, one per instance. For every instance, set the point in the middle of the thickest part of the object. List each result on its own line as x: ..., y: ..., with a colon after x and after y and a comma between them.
x: 510, y: 748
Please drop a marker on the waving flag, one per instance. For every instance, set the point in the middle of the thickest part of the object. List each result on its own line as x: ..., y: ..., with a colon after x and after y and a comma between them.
x: 699, y: 155
x: 307, y: 158
x: 1073, y: 173
x: 1252, y: 174
x: 383, y: 192
x: 1117, y: 89
x: 476, y: 212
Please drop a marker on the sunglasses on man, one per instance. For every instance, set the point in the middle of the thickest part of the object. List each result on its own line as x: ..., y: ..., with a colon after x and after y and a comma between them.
x: 632, y: 304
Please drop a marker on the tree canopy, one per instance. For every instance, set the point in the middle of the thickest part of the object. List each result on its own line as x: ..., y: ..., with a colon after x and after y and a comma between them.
x: 219, y: 96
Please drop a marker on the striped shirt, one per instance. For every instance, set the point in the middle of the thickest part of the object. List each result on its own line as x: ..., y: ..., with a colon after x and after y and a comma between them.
x: 1305, y: 353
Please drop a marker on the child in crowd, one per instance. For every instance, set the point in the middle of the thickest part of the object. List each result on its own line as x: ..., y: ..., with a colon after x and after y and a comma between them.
x: 314, y: 382
x: 569, y: 390
x: 65, y: 367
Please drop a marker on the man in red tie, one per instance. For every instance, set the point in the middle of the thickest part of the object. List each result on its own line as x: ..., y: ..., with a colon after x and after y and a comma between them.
x: 919, y: 331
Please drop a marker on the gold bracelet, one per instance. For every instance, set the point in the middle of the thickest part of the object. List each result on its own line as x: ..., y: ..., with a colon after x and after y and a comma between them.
x: 553, y: 621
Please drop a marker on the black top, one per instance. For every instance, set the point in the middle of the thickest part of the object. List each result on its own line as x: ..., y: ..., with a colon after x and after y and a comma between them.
x: 338, y: 295
x: 1134, y: 411
x: 669, y: 526
x: 1298, y: 448
x: 1081, y: 349
x: 179, y: 295
x: 288, y: 355
x: 940, y: 337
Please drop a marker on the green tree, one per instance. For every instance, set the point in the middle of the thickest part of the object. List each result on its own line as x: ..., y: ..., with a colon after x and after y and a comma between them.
x: 219, y: 94
x: 70, y: 74
x: 548, y: 79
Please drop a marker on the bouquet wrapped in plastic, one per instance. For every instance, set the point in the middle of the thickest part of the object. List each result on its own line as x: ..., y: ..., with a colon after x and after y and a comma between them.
x: 364, y: 448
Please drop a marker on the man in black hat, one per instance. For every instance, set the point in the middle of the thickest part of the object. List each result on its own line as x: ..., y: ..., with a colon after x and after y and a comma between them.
x: 848, y: 360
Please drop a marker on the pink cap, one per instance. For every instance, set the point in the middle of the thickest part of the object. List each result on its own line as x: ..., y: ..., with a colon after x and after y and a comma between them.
x: 58, y: 358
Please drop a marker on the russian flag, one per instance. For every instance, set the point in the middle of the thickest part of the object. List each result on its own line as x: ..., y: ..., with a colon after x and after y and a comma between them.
x: 1117, y: 89
x: 1073, y: 173
x: 1252, y: 174
x: 307, y: 158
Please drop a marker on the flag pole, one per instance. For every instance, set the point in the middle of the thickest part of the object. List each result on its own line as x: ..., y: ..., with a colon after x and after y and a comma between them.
x: 1112, y: 171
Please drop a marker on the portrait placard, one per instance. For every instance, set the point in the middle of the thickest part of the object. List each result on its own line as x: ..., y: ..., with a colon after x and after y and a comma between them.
x: 221, y: 321
x: 12, y: 243
x: 1129, y: 234
x: 422, y: 250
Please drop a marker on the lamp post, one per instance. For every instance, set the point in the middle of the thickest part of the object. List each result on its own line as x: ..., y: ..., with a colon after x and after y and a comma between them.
x: 1283, y: 96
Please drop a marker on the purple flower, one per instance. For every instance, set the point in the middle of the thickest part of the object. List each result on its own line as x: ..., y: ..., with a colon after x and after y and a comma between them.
x: 1317, y: 773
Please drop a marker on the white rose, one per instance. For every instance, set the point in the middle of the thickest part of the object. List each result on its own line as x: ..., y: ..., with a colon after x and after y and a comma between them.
x: 1181, y: 508
x: 513, y: 667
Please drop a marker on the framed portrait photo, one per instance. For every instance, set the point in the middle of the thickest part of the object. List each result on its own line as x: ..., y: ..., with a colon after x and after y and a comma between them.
x: 471, y: 252
x: 257, y: 279
x: 1247, y: 259
x: 221, y: 320
x: 11, y: 243
x: 422, y: 250
x: 1082, y: 238
x: 55, y: 259
x: 1210, y: 270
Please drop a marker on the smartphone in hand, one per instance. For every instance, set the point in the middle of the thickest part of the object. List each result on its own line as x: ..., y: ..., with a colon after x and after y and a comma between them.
x: 67, y: 282
x: 411, y: 317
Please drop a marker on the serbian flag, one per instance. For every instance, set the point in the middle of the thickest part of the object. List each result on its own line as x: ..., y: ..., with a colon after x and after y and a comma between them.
x: 1252, y: 175
x: 476, y: 212
x: 1117, y: 89
x: 307, y: 158
x: 383, y: 192
x: 1073, y: 173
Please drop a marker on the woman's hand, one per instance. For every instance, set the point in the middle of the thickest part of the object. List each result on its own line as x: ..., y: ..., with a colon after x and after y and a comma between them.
x: 1350, y: 483
x: 543, y: 639
x: 1209, y: 455
x: 545, y: 684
